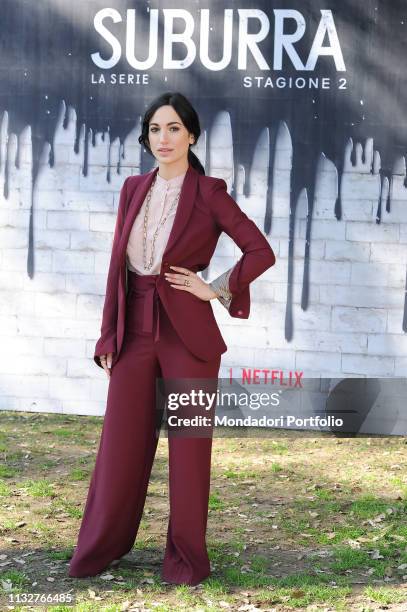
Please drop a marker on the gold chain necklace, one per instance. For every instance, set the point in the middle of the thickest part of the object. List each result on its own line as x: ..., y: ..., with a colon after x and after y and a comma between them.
x: 159, y: 226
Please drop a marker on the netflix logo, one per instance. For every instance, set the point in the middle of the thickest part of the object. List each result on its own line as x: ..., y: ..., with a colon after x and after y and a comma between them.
x: 261, y: 376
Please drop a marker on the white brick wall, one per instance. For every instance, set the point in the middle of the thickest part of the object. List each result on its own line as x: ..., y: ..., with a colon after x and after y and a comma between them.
x: 49, y: 324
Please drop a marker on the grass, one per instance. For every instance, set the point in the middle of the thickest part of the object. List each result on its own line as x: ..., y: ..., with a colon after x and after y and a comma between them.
x: 295, y: 522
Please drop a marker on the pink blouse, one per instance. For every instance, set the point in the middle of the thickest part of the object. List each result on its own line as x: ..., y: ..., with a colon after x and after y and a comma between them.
x: 162, y: 196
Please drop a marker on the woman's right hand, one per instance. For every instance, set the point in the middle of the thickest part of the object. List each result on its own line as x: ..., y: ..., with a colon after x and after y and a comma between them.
x: 106, y: 361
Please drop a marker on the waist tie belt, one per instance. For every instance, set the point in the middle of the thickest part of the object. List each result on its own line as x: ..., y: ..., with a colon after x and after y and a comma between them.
x: 145, y: 285
x: 151, y: 301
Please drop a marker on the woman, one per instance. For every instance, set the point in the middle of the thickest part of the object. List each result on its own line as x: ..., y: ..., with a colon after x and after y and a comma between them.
x: 158, y: 323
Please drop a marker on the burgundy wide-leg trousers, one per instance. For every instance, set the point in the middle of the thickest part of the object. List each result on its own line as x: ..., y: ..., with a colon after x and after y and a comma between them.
x: 119, y: 482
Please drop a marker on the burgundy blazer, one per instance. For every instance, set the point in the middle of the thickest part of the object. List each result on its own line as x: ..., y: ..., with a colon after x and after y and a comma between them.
x: 205, y: 209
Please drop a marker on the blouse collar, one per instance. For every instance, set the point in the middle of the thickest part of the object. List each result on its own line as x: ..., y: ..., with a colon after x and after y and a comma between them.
x: 176, y: 181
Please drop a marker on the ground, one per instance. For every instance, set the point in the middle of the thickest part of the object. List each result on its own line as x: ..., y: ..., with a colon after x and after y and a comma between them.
x: 297, y: 521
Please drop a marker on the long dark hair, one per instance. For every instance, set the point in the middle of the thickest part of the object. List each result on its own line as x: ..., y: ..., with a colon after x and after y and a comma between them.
x: 189, y: 117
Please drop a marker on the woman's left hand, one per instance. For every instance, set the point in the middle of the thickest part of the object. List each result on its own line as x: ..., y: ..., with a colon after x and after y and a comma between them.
x: 196, y: 285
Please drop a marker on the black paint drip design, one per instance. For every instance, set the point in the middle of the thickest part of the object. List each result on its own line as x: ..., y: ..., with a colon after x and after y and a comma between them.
x: 46, y: 60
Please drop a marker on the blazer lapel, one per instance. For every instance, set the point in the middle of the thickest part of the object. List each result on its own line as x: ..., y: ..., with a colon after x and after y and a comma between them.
x: 184, y: 208
x: 133, y: 209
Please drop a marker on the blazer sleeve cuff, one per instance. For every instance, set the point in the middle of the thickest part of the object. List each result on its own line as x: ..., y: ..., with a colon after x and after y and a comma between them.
x: 240, y: 304
x: 105, y: 344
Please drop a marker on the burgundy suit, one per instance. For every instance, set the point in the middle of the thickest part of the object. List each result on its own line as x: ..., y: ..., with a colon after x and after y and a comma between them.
x: 157, y: 331
x: 205, y: 209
